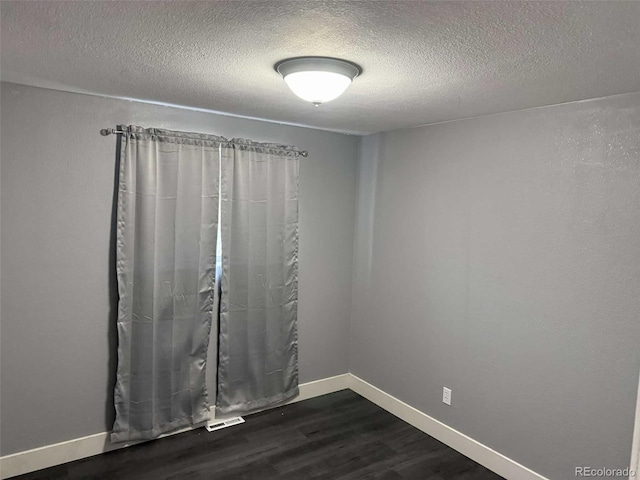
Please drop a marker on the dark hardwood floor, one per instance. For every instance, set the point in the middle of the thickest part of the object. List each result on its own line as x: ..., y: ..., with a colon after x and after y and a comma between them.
x: 340, y: 436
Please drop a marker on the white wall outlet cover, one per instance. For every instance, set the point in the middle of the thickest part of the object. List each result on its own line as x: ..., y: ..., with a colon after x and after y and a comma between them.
x: 446, y: 395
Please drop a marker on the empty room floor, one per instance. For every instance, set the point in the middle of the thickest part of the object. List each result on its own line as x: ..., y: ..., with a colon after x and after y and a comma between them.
x: 340, y: 436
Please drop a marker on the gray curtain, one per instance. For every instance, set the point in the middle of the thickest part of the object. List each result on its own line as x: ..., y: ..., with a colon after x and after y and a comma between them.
x: 166, y: 250
x: 258, y: 346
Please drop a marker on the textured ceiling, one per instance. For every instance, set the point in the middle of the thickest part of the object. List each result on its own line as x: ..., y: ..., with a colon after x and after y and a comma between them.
x: 423, y: 62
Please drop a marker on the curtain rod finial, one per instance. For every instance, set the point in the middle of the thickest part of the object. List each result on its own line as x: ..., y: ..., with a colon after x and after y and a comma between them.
x: 105, y: 131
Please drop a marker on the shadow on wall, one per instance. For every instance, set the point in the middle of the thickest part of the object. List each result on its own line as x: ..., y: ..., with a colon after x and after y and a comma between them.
x: 112, y: 337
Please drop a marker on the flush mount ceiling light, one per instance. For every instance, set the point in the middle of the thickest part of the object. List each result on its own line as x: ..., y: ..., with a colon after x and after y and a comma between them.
x: 317, y: 79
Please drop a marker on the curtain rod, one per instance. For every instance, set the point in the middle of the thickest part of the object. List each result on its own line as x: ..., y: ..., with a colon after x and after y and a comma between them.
x: 112, y: 131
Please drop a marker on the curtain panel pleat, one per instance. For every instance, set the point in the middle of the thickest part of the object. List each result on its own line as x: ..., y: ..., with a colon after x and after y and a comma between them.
x: 258, y: 342
x: 167, y: 224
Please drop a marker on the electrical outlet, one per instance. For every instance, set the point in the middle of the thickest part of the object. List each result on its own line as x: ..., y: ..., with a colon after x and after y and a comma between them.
x: 446, y: 395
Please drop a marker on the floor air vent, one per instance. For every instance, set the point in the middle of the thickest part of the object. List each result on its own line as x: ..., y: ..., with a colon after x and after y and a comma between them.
x: 229, y: 422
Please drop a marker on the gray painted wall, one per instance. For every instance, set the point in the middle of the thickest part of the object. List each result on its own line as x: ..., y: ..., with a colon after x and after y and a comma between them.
x: 58, y: 290
x: 500, y: 257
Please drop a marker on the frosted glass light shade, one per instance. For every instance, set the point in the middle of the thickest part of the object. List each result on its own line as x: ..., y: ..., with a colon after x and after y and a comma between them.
x: 317, y: 79
x: 317, y: 87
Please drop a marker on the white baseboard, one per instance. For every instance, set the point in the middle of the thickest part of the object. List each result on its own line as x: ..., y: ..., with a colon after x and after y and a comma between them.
x: 322, y: 387
x: 78, y: 448
x: 50, y: 455
x: 469, y: 447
